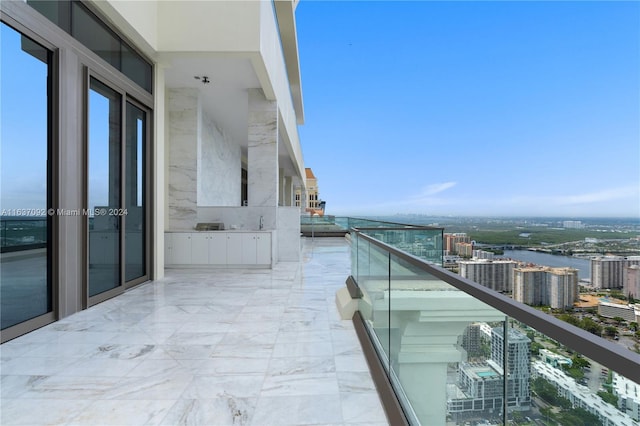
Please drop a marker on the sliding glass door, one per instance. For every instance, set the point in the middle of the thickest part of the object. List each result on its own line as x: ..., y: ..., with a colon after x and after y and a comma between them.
x: 26, y: 218
x: 135, y: 193
x: 116, y: 179
x: 103, y: 187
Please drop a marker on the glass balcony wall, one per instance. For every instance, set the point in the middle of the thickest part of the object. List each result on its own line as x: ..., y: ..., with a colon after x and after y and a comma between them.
x: 442, y: 341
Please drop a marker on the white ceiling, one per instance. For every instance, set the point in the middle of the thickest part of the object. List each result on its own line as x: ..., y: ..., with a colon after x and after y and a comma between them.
x: 225, y: 98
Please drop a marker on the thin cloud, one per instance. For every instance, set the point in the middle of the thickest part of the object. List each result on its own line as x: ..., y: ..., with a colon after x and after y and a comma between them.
x: 434, y: 189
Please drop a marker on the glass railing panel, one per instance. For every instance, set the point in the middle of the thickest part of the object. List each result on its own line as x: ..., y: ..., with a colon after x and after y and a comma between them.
x: 373, y: 281
x: 567, y: 387
x: 440, y: 343
x: 420, y: 242
x: 447, y: 352
x: 342, y: 222
x: 323, y: 224
x: 22, y: 233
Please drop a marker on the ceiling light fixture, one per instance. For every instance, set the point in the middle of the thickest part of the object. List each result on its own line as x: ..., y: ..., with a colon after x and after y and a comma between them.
x: 204, y: 78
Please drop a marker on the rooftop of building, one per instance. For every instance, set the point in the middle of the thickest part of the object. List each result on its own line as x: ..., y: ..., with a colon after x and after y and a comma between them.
x: 309, y: 173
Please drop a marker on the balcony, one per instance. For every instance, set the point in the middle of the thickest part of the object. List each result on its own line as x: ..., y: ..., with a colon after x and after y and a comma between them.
x: 225, y: 347
x: 267, y: 347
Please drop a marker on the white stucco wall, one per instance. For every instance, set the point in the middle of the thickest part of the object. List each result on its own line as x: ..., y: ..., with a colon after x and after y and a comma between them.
x: 208, y: 26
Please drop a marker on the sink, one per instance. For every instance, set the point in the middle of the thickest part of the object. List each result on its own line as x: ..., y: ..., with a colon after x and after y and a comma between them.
x: 210, y: 226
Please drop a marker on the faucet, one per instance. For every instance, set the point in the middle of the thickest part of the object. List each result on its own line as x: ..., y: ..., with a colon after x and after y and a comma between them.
x: 261, y: 222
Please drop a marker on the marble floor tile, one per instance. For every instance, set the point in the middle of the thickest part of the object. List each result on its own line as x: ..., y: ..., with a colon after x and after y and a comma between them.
x: 69, y: 387
x: 225, y: 385
x: 40, y: 411
x: 100, y: 367
x: 300, y: 384
x: 224, y: 410
x: 309, y: 365
x: 166, y: 385
x: 230, y: 365
x: 298, y: 410
x: 124, y: 412
x: 35, y: 366
x: 303, y: 349
x: 201, y: 347
x: 361, y: 407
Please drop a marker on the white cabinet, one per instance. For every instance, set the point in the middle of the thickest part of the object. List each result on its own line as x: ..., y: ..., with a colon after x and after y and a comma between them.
x: 199, y: 249
x: 168, y: 248
x: 249, y: 249
x: 256, y: 248
x: 263, y: 249
x: 178, y: 248
x: 234, y: 249
x: 218, y: 248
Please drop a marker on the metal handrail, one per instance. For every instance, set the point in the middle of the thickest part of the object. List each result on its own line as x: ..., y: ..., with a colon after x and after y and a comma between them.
x: 609, y: 354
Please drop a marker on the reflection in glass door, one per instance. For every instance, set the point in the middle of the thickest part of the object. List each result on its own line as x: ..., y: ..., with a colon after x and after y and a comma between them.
x: 103, y: 188
x: 25, y: 168
x: 135, y: 265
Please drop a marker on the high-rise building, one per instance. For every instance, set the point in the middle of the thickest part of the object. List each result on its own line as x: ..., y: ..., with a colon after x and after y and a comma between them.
x: 631, y: 285
x: 450, y: 241
x: 610, y: 271
x: 480, y: 384
x: 464, y: 249
x: 529, y: 285
x: 542, y: 285
x: 482, y: 254
x: 312, y: 200
x: 518, y: 365
x: 494, y: 274
x: 562, y: 287
x: 472, y: 341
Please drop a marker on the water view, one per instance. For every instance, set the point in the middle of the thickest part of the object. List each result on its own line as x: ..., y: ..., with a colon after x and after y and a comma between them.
x: 545, y: 259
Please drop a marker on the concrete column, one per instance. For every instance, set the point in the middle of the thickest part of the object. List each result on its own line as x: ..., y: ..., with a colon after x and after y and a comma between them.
x: 281, y: 176
x: 262, y: 155
x: 160, y: 194
x: 288, y: 191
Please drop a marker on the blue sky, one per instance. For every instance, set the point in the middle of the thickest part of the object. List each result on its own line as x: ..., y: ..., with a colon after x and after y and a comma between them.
x: 472, y: 108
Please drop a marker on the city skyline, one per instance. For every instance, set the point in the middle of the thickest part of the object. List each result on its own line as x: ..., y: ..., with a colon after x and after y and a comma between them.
x: 473, y: 108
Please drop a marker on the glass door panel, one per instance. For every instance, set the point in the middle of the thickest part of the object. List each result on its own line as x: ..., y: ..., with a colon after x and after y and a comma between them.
x: 25, y: 222
x: 104, y: 192
x: 135, y: 265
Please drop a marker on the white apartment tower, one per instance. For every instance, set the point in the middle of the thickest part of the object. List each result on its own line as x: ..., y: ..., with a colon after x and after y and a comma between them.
x: 494, y: 274
x: 631, y: 285
x: 529, y: 285
x: 610, y: 271
x: 562, y: 285
x: 542, y: 285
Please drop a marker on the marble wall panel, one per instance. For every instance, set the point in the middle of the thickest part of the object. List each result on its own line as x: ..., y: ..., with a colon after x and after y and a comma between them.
x: 262, y: 154
x: 182, y: 107
x: 219, y: 166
